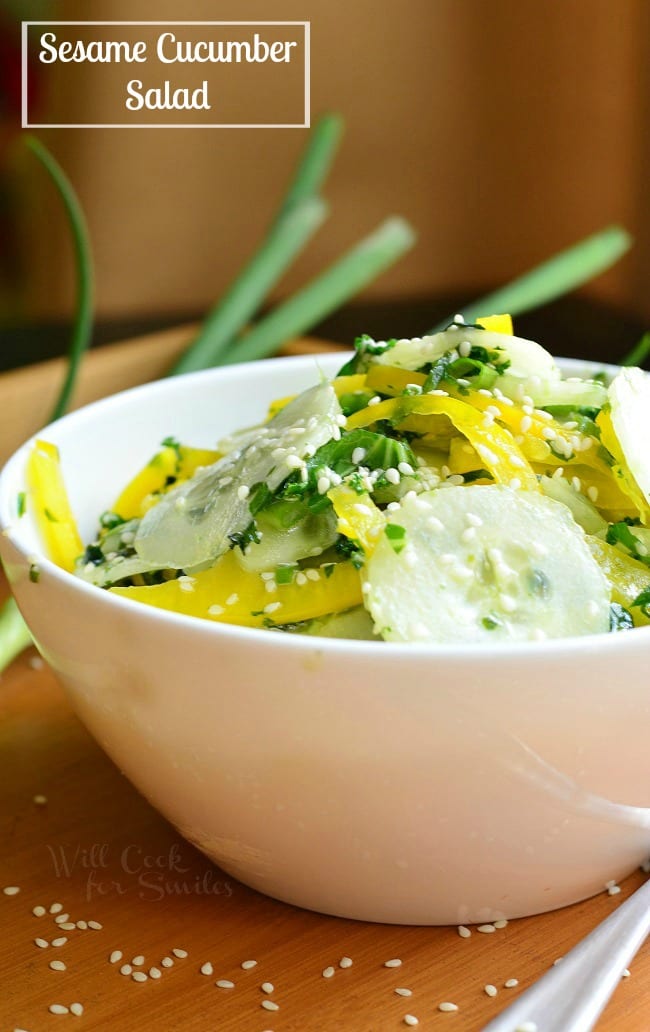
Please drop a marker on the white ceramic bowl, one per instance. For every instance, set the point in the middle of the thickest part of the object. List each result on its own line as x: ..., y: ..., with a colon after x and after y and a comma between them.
x: 388, y: 782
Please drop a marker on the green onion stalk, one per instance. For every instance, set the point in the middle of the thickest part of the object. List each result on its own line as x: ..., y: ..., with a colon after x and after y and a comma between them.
x: 14, y: 635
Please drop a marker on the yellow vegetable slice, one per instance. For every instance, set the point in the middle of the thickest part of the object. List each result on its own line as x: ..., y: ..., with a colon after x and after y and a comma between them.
x: 226, y: 593
x: 627, y: 577
x: 358, y: 517
x: 495, y: 446
x: 54, y: 517
x: 391, y: 380
x: 497, y: 323
x: 152, y: 480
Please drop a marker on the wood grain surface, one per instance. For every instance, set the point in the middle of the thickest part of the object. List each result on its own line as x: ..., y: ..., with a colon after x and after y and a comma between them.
x: 100, y: 850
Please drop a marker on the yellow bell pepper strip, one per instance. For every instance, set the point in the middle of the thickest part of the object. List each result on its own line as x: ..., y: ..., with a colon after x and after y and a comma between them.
x: 391, y: 380
x: 144, y: 489
x: 226, y: 593
x: 620, y: 470
x: 54, y: 517
x: 627, y: 576
x: 497, y: 324
x: 495, y: 445
x: 358, y: 517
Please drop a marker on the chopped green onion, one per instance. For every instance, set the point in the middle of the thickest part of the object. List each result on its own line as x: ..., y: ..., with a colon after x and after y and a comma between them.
x: 341, y: 281
x: 396, y: 536
x: 556, y: 276
x: 639, y: 353
x: 300, y: 215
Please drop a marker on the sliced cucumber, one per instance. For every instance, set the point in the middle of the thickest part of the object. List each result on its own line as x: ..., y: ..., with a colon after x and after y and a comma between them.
x: 629, y: 397
x: 310, y: 537
x: 485, y: 564
x: 353, y: 623
x: 581, y: 508
x: 192, y: 523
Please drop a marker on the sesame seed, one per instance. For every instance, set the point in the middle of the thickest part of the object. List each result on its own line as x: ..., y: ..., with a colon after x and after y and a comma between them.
x: 270, y: 1005
x: 363, y: 510
x: 225, y: 983
x: 39, y: 911
x: 464, y: 932
x: 613, y: 890
x: 61, y: 918
x: 126, y: 969
x: 525, y: 425
x: 345, y: 962
x: 272, y: 607
x: 592, y: 493
x: 328, y: 972
x: 182, y: 954
x: 374, y: 401
x: 487, y: 928
x: 57, y: 965
x: 501, y: 923
x: 155, y: 972
x: 410, y: 1019
x: 511, y: 983
x: 138, y: 961
x: 358, y: 455
x: 464, y: 348
x: 60, y: 940
x: 626, y: 973
x: 515, y: 483
x: 405, y: 468
x: 232, y: 599
x: 485, y: 392
x: 58, y: 1008
x: 311, y: 574
x: 207, y: 969
x: 248, y: 964
x: 558, y: 960
x: 76, y: 1009
x: 83, y: 925
x: 508, y: 604
x: 403, y: 992
x: 67, y: 926
x: 293, y: 462
x: 167, y: 962
x: 215, y: 610
x: 267, y: 987
x: 447, y: 1007
x: 42, y: 943
x: 56, y: 908
x: 11, y: 890
x: 243, y: 492
x: 393, y: 963
x: 323, y: 485
x: 301, y: 579
x: 490, y: 990
x: 95, y: 925
x: 115, y: 956
x: 140, y: 976
x: 469, y: 534
x: 40, y: 800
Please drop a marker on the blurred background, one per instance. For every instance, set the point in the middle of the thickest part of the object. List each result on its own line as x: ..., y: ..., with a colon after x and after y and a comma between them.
x: 502, y: 130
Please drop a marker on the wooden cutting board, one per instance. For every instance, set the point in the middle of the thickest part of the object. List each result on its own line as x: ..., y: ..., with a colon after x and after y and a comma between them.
x: 97, y: 848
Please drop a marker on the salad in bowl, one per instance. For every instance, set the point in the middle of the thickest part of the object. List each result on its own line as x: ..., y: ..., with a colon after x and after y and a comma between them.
x: 449, y: 489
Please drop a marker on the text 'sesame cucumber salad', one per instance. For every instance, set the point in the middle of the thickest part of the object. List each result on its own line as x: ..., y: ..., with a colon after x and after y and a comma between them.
x: 448, y: 489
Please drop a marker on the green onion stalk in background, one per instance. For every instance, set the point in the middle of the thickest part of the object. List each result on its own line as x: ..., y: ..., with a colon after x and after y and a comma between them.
x: 226, y: 336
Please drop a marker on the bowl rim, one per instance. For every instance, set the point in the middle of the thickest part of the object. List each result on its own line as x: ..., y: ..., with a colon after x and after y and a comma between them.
x: 557, y: 648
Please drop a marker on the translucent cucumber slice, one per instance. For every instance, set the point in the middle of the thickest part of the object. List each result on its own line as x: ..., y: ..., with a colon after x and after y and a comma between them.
x: 192, y: 523
x: 310, y: 537
x: 582, y: 510
x: 629, y: 397
x: 484, y: 564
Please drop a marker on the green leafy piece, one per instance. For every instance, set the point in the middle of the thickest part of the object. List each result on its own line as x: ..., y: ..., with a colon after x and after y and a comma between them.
x: 364, y: 345
x: 21, y: 503
x: 491, y: 622
x: 284, y: 573
x: 620, y: 534
x: 643, y: 601
x: 396, y: 535
x: 558, y: 275
x: 619, y: 618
